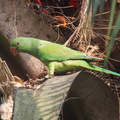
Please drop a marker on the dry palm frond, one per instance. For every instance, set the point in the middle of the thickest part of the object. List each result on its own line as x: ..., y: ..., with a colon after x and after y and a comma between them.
x: 7, y: 80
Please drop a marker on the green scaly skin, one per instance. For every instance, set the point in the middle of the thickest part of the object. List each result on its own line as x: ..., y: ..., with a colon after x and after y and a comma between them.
x: 57, y: 57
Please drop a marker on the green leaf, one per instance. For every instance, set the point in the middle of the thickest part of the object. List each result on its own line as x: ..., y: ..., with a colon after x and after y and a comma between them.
x: 113, y: 6
x: 94, y: 4
x: 89, y: 6
x: 95, y: 8
x: 102, y: 4
x: 112, y: 41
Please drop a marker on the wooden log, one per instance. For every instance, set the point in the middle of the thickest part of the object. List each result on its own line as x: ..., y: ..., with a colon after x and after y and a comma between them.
x: 88, y: 99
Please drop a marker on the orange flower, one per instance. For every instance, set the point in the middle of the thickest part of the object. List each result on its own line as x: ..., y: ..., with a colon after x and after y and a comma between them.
x: 62, y: 20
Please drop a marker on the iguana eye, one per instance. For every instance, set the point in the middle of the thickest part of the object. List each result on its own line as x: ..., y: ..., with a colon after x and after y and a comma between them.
x: 17, y: 43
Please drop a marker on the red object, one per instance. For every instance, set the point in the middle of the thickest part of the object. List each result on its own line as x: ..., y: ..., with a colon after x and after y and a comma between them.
x: 38, y: 1
x: 14, y: 51
x: 61, y: 19
x: 74, y: 3
x: 45, y: 11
